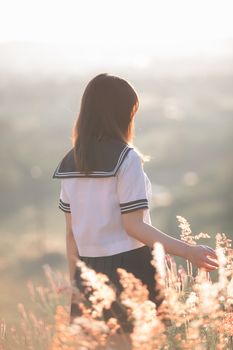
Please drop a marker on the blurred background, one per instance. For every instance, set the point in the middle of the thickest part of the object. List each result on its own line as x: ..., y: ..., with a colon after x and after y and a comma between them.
x: 178, y: 55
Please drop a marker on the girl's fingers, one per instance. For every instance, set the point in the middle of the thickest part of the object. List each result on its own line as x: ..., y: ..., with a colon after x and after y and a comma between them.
x: 209, y: 267
x: 211, y: 262
x: 211, y: 252
x: 213, y: 255
x: 211, y: 249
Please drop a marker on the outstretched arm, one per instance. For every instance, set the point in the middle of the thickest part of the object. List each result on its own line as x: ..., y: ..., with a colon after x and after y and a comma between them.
x: 138, y: 229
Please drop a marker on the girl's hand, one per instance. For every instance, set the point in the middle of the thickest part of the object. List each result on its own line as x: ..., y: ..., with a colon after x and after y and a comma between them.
x: 203, y: 256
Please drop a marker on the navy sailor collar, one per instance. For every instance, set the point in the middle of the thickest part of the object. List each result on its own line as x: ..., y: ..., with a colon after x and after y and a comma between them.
x: 110, y: 153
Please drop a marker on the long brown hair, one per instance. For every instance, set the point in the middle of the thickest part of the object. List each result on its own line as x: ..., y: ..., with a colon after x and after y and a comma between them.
x: 107, y: 108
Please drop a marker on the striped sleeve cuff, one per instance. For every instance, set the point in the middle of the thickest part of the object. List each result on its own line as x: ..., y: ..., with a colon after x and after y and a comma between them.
x: 64, y: 206
x: 134, y: 205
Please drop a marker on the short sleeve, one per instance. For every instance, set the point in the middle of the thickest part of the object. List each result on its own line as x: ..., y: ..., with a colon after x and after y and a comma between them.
x: 131, y: 184
x: 64, y: 204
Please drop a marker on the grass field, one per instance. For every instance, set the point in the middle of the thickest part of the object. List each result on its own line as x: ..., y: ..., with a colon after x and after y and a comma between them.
x: 196, y: 313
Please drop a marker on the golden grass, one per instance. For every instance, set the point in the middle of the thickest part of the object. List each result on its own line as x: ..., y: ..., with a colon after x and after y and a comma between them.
x: 198, y: 313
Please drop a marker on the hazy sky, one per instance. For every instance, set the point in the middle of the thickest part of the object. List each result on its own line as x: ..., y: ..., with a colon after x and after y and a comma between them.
x: 111, y: 22
x: 127, y: 32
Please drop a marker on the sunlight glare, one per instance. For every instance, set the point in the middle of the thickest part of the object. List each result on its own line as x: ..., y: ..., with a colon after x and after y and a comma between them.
x: 161, y: 25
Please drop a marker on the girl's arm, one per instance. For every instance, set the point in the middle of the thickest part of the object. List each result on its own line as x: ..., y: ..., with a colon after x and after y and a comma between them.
x: 71, y: 247
x: 138, y: 229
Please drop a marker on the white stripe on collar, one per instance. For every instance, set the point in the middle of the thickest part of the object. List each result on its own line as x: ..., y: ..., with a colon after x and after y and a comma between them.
x: 70, y: 174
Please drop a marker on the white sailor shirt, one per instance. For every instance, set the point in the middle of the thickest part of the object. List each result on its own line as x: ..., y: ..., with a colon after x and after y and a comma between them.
x: 118, y: 185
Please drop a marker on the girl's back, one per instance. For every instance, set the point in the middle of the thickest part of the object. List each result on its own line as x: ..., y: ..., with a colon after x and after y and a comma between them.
x: 117, y: 185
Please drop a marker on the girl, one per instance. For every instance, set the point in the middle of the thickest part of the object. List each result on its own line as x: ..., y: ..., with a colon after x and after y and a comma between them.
x: 105, y: 195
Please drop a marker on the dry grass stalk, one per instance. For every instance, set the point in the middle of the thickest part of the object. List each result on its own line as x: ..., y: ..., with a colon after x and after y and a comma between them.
x: 200, y: 311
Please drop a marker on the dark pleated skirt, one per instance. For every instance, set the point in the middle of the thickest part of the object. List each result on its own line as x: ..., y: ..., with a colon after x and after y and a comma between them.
x: 136, y: 261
